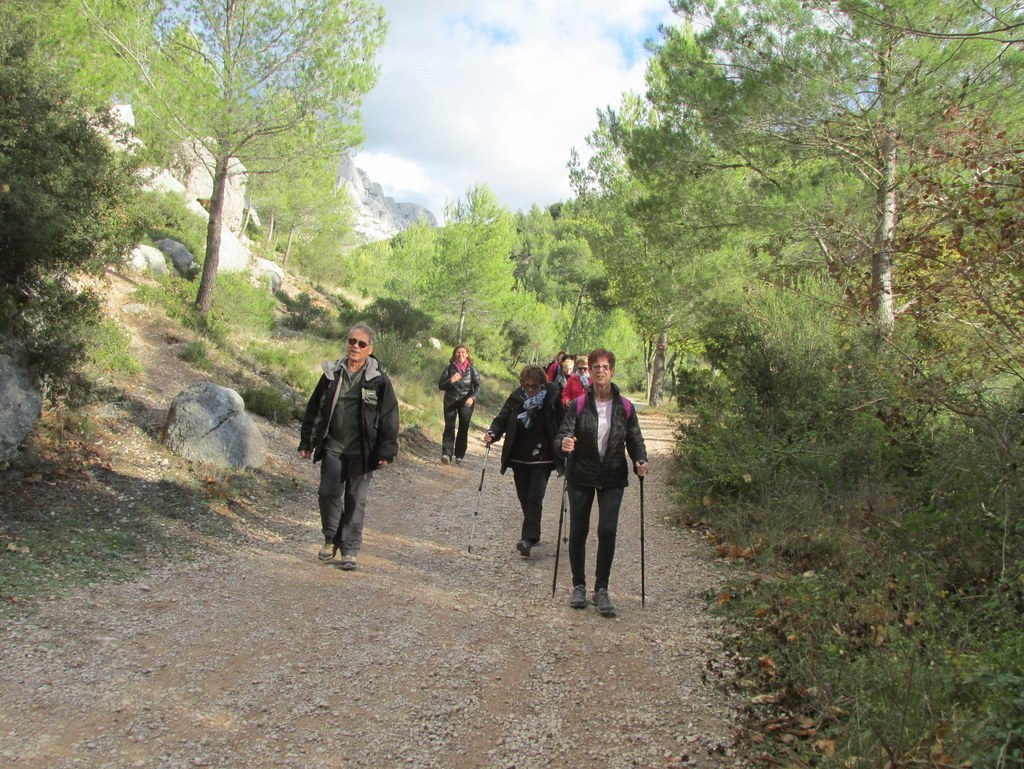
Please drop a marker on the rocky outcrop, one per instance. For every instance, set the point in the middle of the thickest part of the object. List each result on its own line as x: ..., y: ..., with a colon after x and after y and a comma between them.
x: 377, y: 217
x: 194, y: 166
x: 20, y: 406
x: 208, y: 423
x: 147, y: 260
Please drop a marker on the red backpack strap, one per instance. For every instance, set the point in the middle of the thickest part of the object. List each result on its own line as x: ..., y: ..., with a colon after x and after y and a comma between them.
x: 579, y: 405
x: 628, y: 405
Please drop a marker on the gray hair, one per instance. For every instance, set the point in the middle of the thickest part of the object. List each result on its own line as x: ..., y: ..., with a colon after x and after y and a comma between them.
x: 366, y: 330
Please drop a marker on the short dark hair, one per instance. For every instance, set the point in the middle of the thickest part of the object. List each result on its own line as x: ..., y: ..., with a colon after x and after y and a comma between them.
x: 600, y: 352
x: 532, y: 373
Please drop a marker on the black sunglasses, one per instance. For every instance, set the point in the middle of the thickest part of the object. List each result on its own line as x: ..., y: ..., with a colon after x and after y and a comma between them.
x: 357, y: 342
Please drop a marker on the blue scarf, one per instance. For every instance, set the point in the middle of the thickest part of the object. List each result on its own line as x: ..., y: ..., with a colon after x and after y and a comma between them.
x: 531, y: 405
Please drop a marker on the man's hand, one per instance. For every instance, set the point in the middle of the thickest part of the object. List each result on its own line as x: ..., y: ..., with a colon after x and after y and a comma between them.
x: 305, y: 454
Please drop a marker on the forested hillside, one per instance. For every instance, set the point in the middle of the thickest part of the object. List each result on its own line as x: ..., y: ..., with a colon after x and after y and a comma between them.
x: 805, y: 236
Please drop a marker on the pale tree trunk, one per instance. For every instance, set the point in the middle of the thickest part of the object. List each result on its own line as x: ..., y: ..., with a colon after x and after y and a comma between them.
x: 270, y: 232
x: 204, y: 299
x: 288, y: 248
x: 571, y: 337
x: 886, y: 207
x: 245, y: 219
x: 462, y: 323
x: 657, y: 393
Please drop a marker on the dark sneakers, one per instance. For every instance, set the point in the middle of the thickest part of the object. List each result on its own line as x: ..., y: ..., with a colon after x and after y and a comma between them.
x: 348, y: 563
x: 578, y: 599
x: 603, y: 602
x: 327, y: 552
x: 524, y: 547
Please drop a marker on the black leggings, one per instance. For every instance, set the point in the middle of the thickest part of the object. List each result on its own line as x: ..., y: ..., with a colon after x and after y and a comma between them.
x: 581, y: 500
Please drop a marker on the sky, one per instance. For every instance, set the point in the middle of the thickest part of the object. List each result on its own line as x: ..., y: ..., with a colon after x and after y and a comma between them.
x: 497, y: 92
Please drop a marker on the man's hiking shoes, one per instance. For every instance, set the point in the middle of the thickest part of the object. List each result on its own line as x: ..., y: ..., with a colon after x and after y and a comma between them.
x: 348, y: 563
x: 578, y: 599
x: 327, y: 552
x: 445, y: 459
x: 603, y: 602
x: 524, y: 547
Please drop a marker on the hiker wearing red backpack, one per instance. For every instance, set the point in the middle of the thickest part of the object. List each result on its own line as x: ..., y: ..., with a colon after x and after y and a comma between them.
x: 597, y: 432
x: 577, y: 384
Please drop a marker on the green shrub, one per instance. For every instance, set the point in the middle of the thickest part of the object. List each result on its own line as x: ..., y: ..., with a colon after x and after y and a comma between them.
x: 398, y: 317
x: 110, y: 350
x: 197, y: 353
x: 167, y: 216
x: 270, y: 403
x: 239, y: 305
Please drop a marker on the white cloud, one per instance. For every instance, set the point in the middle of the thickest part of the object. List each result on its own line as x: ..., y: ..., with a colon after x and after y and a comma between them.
x: 497, y: 92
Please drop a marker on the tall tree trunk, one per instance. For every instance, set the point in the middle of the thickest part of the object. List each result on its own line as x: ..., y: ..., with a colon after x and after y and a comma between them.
x: 571, y: 336
x: 288, y: 248
x: 886, y: 207
x: 657, y: 394
x: 247, y: 214
x: 204, y: 299
x: 462, y: 323
x: 270, y: 232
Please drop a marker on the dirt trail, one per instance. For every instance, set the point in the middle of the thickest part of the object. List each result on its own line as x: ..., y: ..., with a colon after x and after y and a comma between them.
x: 257, y: 655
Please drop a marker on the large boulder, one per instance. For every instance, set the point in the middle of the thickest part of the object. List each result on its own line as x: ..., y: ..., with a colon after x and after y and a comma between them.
x: 268, y: 272
x: 184, y: 262
x: 208, y: 423
x: 147, y: 260
x: 20, y: 406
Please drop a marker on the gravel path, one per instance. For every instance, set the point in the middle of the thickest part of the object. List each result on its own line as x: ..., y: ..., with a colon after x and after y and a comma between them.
x: 257, y: 655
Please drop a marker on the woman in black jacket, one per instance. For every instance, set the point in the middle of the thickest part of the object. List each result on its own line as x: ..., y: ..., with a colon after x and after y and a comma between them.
x: 597, y: 431
x: 461, y: 384
x: 529, y: 420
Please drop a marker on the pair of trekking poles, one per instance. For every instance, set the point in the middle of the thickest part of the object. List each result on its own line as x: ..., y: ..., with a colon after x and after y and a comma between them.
x: 561, y: 521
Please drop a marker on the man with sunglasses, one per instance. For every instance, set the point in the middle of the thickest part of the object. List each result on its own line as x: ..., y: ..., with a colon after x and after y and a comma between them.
x: 351, y: 428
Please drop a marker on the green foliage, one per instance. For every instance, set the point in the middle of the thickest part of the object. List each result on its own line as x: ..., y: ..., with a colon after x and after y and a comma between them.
x: 242, y: 307
x: 302, y: 312
x: 271, y: 403
x: 398, y: 317
x: 472, y: 273
x: 66, y: 208
x: 197, y: 353
x: 109, y: 350
x: 167, y: 216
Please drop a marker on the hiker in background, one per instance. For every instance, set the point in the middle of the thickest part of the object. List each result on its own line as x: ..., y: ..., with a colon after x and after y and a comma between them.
x: 552, y: 367
x: 565, y: 370
x: 529, y: 421
x: 461, y: 384
x: 579, y: 381
x: 597, y: 432
x: 351, y: 428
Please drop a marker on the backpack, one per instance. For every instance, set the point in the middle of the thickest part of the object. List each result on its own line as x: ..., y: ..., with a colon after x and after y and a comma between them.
x: 626, y: 403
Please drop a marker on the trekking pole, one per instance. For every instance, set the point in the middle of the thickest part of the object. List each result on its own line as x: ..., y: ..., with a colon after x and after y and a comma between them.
x: 561, y: 518
x: 643, y: 592
x: 479, y: 493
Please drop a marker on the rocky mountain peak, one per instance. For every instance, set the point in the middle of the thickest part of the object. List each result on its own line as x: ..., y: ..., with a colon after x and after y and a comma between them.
x: 377, y: 216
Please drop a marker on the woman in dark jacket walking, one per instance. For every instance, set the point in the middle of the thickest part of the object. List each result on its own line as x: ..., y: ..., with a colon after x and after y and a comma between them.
x: 461, y: 384
x: 597, y: 431
x: 529, y: 421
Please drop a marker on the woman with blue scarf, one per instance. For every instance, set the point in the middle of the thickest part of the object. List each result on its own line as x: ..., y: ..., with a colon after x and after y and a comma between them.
x: 530, y: 418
